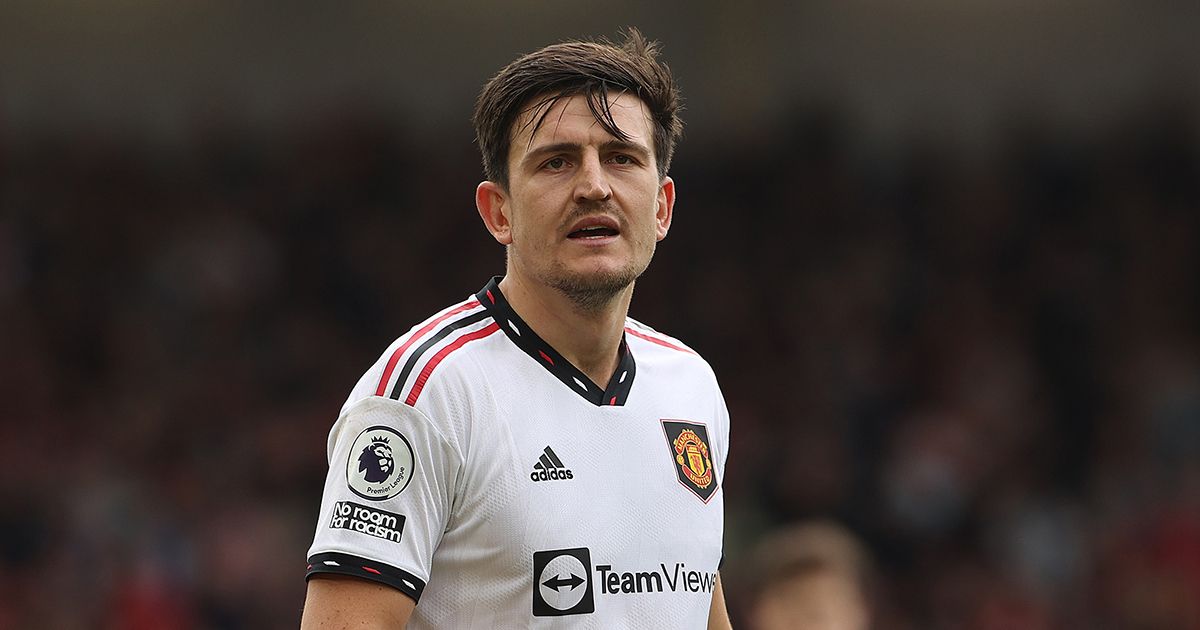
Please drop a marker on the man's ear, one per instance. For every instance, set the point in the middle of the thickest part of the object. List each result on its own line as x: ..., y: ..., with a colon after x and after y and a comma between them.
x: 666, y: 206
x: 492, y: 202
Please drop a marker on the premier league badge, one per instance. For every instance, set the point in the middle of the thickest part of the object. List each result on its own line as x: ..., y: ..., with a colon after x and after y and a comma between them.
x: 380, y: 464
x: 688, y: 444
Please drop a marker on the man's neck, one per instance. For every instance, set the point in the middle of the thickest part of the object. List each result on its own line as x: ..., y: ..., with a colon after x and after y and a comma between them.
x: 590, y: 340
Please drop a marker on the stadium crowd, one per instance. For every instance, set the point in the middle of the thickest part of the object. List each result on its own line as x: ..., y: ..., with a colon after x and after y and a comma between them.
x: 984, y: 365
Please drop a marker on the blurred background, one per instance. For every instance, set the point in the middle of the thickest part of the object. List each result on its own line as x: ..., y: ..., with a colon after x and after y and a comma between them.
x: 944, y: 257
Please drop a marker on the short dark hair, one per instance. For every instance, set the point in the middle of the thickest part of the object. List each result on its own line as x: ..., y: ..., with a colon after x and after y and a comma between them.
x: 591, y: 68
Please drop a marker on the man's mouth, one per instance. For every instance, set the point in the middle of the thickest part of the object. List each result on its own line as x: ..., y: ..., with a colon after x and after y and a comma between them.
x: 595, y: 227
x: 593, y: 231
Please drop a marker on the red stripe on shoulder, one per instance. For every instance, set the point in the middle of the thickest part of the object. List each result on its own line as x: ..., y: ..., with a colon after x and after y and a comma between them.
x: 662, y: 342
x: 442, y: 354
x: 395, y: 358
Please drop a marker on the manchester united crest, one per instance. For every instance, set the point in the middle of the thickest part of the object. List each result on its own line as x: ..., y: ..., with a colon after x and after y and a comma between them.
x: 688, y: 443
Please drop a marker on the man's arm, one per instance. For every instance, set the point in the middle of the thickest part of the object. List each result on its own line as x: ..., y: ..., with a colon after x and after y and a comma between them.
x: 718, y: 616
x: 339, y: 601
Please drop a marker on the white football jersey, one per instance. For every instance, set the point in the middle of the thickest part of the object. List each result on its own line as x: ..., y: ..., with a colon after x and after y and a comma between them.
x: 476, y: 470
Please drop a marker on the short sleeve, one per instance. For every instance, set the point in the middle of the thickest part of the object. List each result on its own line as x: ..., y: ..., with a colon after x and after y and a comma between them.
x: 388, y: 495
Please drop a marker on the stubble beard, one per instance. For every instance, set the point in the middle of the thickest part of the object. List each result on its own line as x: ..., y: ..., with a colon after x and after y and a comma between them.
x: 594, y: 292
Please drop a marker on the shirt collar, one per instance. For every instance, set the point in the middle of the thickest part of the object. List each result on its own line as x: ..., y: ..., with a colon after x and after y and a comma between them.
x: 619, y: 385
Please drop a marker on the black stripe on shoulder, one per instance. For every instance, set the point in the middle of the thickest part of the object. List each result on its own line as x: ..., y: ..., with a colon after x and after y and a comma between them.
x: 346, y: 564
x: 442, y: 333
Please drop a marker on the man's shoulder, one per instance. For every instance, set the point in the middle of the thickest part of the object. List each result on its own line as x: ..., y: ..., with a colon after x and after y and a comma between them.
x: 405, y: 367
x: 641, y: 332
x: 646, y: 342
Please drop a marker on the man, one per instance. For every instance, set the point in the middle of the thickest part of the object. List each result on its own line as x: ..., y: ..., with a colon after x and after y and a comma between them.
x: 531, y: 457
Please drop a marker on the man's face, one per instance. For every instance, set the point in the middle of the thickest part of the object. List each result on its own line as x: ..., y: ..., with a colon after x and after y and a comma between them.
x: 583, y: 210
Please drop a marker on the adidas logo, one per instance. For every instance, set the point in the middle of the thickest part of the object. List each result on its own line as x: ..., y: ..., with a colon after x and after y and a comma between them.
x: 550, y: 468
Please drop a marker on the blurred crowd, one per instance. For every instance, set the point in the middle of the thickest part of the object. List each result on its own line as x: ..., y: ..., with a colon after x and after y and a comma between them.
x: 979, y: 370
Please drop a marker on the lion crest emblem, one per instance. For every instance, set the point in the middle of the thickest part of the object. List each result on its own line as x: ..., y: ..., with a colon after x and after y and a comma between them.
x: 376, y: 460
x: 379, y: 463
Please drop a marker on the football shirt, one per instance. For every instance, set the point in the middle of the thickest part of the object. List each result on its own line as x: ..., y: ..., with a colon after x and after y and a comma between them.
x: 479, y: 472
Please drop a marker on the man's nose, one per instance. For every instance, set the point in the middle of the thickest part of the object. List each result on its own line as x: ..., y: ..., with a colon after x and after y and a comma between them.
x: 592, y: 182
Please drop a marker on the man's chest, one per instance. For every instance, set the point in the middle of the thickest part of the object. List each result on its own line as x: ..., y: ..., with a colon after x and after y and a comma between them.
x: 568, y: 471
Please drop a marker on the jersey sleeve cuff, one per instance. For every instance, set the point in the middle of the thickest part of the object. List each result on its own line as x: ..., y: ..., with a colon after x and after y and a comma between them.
x: 346, y: 564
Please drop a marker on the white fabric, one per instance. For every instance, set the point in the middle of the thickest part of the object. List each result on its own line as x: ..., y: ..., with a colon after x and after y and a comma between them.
x: 474, y: 517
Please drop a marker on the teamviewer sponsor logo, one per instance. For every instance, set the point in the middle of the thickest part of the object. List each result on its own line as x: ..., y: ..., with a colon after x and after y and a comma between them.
x: 562, y: 583
x: 676, y: 579
x: 550, y: 468
x: 365, y: 520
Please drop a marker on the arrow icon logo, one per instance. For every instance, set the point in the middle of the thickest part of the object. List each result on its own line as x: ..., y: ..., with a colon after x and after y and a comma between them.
x: 562, y: 583
x: 557, y: 582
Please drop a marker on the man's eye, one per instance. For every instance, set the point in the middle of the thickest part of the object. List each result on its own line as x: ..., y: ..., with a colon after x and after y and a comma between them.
x: 556, y: 163
x: 622, y: 159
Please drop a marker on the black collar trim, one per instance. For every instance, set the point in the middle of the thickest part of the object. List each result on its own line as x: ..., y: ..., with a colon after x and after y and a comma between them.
x: 546, y: 356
